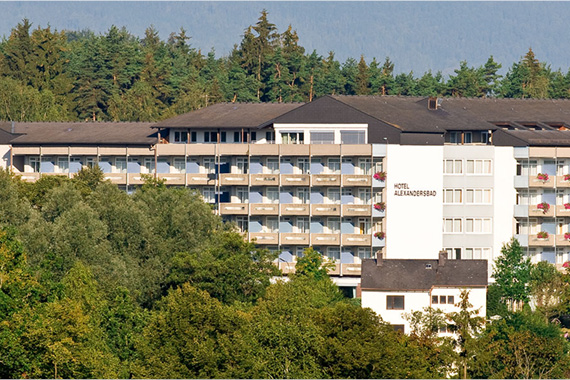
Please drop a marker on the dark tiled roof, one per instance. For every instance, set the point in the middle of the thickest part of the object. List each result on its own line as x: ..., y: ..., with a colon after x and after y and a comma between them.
x: 125, y: 133
x: 229, y: 115
x: 540, y: 138
x: 401, y: 274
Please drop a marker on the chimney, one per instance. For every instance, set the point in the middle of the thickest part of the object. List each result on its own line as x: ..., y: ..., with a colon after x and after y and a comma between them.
x: 13, y: 129
x: 442, y: 258
x: 432, y: 103
x: 379, y: 258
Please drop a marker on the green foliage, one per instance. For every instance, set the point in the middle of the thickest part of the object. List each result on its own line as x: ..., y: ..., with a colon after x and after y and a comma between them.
x: 512, y: 273
x: 313, y: 265
x: 547, y: 288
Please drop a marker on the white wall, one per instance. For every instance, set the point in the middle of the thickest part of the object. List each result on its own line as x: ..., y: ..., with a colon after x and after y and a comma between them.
x: 414, y: 223
x: 4, y: 156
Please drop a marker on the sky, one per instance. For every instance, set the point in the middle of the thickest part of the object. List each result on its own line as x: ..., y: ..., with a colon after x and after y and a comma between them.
x: 416, y: 36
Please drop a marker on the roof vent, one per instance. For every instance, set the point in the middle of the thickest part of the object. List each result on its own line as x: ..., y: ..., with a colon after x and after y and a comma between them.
x: 433, y: 103
x: 428, y: 266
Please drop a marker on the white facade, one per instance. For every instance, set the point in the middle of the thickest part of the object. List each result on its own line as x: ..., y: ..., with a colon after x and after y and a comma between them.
x: 378, y: 301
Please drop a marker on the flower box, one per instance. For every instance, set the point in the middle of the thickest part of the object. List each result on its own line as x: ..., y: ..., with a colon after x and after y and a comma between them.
x: 567, y: 236
x: 381, y: 206
x: 542, y: 177
x: 566, y: 177
x: 380, y: 235
x: 566, y: 206
x: 544, y: 206
x: 380, y: 176
x: 542, y: 235
x: 566, y: 264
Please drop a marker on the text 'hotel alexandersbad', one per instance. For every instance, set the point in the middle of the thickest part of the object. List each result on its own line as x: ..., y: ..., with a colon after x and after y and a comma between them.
x: 403, y: 190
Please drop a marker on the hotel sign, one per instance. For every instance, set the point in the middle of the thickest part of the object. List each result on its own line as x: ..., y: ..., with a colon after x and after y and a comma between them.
x: 403, y: 190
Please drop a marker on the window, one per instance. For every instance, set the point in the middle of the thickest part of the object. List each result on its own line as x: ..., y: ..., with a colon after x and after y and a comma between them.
x: 121, y: 164
x: 467, y: 137
x: 442, y: 299
x: 270, y: 136
x: 363, y: 226
x: 478, y: 196
x: 272, y: 224
x: 322, y: 137
x: 242, y: 223
x: 351, y: 137
x: 211, y: 137
x: 209, y: 165
x: 242, y: 165
x: 452, y: 225
x: 273, y: 165
x: 179, y: 165
x: 334, y: 165
x: 455, y: 137
x: 302, y: 224
x: 364, y: 196
x: 476, y: 225
x: 434, y: 300
x: 292, y: 138
x: 253, y: 137
x: 333, y: 225
x: 395, y: 302
x: 333, y: 195
x: 527, y: 168
x: 90, y: 162
x: 193, y: 136
x: 398, y: 328
x: 180, y: 136
x: 478, y: 167
x: 486, y: 137
x: 303, y: 165
x: 209, y: 194
x: 35, y: 164
x: 452, y: 166
x: 365, y: 166
x: 303, y: 195
x: 452, y: 196
x: 272, y: 195
x: 333, y: 253
x: 242, y: 194
x: 453, y: 253
x: 364, y: 252
x: 148, y: 164
x: 63, y: 164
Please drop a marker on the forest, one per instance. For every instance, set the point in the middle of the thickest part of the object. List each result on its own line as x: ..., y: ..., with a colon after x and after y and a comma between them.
x: 50, y: 75
x: 98, y: 283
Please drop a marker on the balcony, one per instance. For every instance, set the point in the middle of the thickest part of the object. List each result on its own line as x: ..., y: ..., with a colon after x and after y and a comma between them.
x: 363, y: 240
x: 234, y: 179
x: 521, y: 211
x: 562, y: 211
x: 201, y: 179
x: 116, y: 178
x: 335, y: 270
x: 295, y: 180
x: 356, y: 180
x: 378, y: 243
x: 29, y: 176
x: 264, y: 209
x: 521, y: 182
x: 561, y: 242
x: 295, y: 209
x: 350, y: 269
x: 264, y: 180
x: 136, y: 178
x: 326, y: 180
x: 325, y: 239
x: 523, y: 239
x: 534, y: 241
x: 286, y: 268
x: 234, y: 208
x: 535, y: 211
x: 295, y: 239
x: 535, y: 182
x: 269, y: 238
x: 356, y: 210
x: 325, y: 209
x: 560, y: 182
x: 173, y: 179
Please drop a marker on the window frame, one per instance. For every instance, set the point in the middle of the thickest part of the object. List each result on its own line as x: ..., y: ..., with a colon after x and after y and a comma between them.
x: 390, y: 302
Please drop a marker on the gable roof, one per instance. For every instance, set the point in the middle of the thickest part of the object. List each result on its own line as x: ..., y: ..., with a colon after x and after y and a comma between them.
x: 229, y: 115
x: 408, y: 274
x: 124, y: 133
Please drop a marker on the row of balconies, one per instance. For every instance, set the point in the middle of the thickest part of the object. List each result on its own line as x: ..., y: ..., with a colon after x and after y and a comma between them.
x: 315, y: 239
x: 229, y: 179
x: 338, y: 269
x: 544, y: 240
x: 541, y: 210
x: 299, y: 209
x: 522, y: 181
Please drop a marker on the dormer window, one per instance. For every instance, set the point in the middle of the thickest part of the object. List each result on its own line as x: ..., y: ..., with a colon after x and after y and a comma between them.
x: 181, y: 137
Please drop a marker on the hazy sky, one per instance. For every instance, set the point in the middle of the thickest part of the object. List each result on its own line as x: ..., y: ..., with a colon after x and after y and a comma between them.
x: 417, y: 36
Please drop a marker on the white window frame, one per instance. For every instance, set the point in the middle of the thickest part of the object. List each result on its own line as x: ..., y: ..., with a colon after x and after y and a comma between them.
x: 478, y: 196
x: 209, y: 165
x: 209, y: 194
x: 333, y: 195
x: 455, y: 170
x: 303, y: 165
x: 455, y: 195
x: 480, y: 167
x: 452, y: 225
x: 122, y: 167
x: 303, y: 195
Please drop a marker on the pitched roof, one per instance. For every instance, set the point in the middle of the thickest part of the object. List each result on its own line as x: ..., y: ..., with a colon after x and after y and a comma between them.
x: 408, y: 274
x: 539, y: 138
x: 229, y: 115
x: 131, y: 133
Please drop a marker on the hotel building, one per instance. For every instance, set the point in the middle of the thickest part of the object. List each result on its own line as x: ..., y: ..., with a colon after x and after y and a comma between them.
x: 351, y: 176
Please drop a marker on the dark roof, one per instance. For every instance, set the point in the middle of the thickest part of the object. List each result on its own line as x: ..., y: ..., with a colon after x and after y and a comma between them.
x: 229, y: 115
x: 6, y: 135
x: 407, y: 274
x: 124, y: 133
x: 536, y: 138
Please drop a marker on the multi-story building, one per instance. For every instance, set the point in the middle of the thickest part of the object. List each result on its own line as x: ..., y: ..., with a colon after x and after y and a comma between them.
x: 460, y: 174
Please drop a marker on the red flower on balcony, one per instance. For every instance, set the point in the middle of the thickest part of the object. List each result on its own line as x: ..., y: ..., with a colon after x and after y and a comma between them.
x: 380, y: 235
x: 566, y: 264
x: 380, y: 176
x: 567, y: 236
x: 542, y: 235
x: 380, y: 206
x: 542, y: 177
x: 544, y: 206
x: 566, y: 177
x: 567, y: 206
